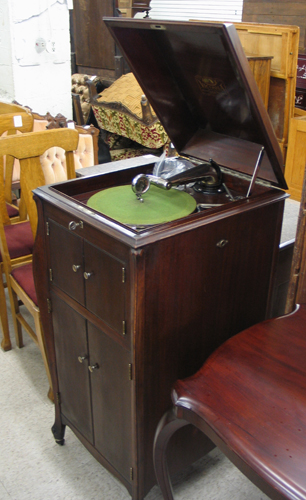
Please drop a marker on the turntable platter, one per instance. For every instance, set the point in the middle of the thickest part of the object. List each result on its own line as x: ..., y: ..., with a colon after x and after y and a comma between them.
x: 158, y: 206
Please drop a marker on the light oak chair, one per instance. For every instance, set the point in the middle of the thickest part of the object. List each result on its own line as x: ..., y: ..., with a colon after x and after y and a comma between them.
x: 12, y: 123
x: 19, y: 237
x: 28, y: 149
x: 249, y: 397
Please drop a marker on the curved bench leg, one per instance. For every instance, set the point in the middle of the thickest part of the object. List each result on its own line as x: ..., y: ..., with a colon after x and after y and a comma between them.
x: 167, y: 426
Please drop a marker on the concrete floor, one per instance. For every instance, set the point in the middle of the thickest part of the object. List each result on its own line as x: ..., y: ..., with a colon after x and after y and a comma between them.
x: 33, y: 467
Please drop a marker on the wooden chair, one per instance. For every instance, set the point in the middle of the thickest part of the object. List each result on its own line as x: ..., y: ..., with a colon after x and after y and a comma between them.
x: 28, y: 148
x: 13, y: 123
x: 249, y: 397
x: 19, y: 237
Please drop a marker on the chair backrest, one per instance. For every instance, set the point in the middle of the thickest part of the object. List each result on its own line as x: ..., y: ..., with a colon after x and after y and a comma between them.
x: 28, y: 148
x: 86, y: 154
x: 13, y: 123
x: 8, y: 107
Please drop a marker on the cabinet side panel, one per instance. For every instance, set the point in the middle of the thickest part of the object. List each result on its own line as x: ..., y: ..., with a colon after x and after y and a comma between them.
x: 202, y: 287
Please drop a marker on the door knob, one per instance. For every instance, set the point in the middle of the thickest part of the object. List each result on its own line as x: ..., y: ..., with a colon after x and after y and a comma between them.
x: 87, y: 275
x: 93, y: 367
x: 72, y: 226
x: 76, y: 267
x: 81, y: 359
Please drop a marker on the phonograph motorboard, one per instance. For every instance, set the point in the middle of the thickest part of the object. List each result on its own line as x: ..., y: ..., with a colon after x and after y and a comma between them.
x: 140, y: 276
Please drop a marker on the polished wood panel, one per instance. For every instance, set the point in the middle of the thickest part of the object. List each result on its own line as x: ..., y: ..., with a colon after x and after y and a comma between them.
x: 249, y: 398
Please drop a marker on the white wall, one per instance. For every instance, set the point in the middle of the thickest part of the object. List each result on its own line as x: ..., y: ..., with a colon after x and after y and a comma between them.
x: 41, y: 80
x: 6, y: 71
x: 211, y: 10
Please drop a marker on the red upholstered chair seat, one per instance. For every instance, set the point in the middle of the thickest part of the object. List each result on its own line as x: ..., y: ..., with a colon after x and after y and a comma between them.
x: 12, y: 211
x: 19, y: 239
x: 24, y: 277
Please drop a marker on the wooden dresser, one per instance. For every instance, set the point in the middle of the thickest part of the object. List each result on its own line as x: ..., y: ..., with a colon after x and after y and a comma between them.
x: 126, y: 311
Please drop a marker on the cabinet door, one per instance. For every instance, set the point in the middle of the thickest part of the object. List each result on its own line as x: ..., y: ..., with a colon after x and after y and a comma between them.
x: 111, y: 400
x: 72, y: 365
x: 66, y: 261
x: 105, y: 286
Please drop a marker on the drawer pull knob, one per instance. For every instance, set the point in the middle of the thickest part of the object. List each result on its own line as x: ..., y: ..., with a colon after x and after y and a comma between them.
x: 81, y: 359
x: 75, y: 268
x: 87, y: 275
x: 222, y: 243
x: 73, y: 225
x: 93, y: 367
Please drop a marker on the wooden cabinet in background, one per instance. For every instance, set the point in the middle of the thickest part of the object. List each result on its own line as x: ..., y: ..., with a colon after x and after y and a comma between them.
x: 296, y: 157
x: 94, y: 46
x: 281, y: 42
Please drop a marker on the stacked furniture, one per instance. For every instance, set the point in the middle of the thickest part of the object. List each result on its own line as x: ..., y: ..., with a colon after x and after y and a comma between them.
x: 131, y: 127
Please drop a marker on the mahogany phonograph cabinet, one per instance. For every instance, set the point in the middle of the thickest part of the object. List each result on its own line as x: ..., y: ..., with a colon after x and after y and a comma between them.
x: 128, y: 309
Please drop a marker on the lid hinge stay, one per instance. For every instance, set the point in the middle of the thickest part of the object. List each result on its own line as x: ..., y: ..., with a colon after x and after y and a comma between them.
x: 255, y: 173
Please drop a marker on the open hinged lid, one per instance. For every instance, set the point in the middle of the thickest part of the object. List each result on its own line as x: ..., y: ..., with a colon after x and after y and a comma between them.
x: 198, y: 80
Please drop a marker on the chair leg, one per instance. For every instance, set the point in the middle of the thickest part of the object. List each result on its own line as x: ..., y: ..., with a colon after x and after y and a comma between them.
x: 6, y: 341
x: 167, y: 426
x: 42, y: 347
x: 15, y: 311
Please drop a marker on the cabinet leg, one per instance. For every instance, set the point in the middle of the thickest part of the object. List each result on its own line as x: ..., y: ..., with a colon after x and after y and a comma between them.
x: 59, y: 433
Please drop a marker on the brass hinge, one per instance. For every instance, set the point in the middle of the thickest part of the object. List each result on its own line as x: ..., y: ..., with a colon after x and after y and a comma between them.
x: 50, y: 275
x: 48, y: 228
x: 131, y: 473
x: 49, y: 305
x: 58, y: 398
x: 123, y: 275
x: 123, y: 327
x: 130, y: 371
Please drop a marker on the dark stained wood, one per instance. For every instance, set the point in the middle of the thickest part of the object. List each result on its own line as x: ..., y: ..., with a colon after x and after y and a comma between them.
x: 184, y: 297
x: 94, y: 45
x: 249, y: 398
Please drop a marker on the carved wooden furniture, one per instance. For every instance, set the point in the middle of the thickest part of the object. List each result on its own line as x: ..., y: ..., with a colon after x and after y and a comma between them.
x: 129, y: 124
x: 127, y: 310
x: 28, y: 148
x: 249, y: 399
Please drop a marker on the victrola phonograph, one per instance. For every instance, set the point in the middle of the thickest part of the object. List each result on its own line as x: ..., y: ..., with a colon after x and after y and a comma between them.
x: 132, y: 300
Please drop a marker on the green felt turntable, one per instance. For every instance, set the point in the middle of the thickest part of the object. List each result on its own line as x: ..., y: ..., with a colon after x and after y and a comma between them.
x: 158, y: 205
